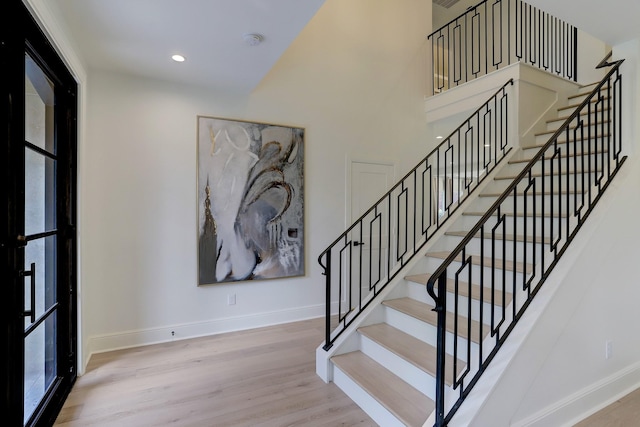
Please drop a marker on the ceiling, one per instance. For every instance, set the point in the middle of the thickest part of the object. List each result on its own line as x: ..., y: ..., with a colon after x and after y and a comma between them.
x: 139, y: 37
x: 445, y: 3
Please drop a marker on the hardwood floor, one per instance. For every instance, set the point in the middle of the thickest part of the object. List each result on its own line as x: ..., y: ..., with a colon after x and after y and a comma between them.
x: 260, y: 377
x: 624, y: 412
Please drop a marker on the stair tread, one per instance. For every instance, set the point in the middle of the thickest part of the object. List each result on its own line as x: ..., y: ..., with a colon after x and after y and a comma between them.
x: 563, y: 155
x: 520, y: 214
x: 563, y: 141
x: 463, y: 288
x: 576, y: 105
x: 572, y: 127
x: 539, y: 174
x: 584, y: 93
x: 487, y: 262
x: 424, y: 312
x: 411, y: 349
x: 507, y: 237
x: 401, y: 399
x: 586, y: 85
x: 563, y: 116
x: 521, y: 193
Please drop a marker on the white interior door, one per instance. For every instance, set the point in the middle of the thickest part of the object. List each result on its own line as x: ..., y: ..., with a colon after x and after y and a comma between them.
x: 369, y: 182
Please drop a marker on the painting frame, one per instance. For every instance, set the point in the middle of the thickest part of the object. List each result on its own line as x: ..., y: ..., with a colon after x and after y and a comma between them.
x: 250, y: 196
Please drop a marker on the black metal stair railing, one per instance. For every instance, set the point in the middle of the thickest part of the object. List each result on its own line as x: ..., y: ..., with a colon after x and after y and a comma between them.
x: 497, y: 33
x: 370, y: 253
x: 521, y: 237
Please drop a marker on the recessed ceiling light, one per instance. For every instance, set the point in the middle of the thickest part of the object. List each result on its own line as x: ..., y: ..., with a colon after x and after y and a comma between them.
x: 439, y: 137
x: 178, y: 58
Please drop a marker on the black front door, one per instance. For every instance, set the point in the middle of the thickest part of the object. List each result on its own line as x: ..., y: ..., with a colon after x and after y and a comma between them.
x: 37, y: 240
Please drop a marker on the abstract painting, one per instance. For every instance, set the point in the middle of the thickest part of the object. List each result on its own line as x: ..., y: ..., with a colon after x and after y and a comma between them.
x: 250, y: 201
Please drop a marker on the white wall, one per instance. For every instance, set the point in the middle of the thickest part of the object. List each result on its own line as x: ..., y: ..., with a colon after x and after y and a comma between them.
x: 354, y: 78
x: 575, y: 379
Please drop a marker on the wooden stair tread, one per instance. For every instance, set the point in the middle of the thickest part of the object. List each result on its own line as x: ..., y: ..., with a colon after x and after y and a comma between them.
x: 424, y: 312
x: 520, y: 214
x: 521, y: 193
x: 563, y: 116
x: 584, y: 93
x: 562, y: 156
x: 486, y: 261
x: 586, y: 85
x: 511, y: 177
x: 463, y: 288
x: 574, y: 106
x: 507, y: 237
x: 573, y: 127
x: 562, y: 141
x: 401, y: 399
x: 417, y: 352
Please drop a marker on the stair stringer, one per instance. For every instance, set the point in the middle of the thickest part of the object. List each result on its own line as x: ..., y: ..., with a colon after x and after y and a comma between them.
x: 499, y: 392
x: 370, y: 315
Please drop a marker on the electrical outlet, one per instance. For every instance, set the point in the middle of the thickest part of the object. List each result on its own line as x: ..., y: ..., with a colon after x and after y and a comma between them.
x: 231, y: 299
x: 608, y: 349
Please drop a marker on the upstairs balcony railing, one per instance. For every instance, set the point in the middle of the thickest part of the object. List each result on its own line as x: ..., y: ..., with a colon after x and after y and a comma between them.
x: 372, y: 251
x: 542, y: 210
x: 494, y: 34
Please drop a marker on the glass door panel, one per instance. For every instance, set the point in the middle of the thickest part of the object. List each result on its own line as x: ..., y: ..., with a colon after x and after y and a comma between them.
x: 40, y: 271
x: 40, y: 364
x: 40, y: 192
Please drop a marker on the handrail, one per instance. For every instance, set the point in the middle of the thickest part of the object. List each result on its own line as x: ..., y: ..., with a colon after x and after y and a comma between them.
x: 601, y: 123
x: 487, y: 37
x: 371, y: 252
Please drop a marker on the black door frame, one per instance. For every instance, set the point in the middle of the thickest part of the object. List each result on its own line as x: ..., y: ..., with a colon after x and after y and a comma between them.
x: 20, y: 34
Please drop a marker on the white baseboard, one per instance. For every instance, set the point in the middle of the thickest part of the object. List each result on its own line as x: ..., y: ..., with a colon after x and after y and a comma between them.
x: 586, y: 402
x: 141, y: 337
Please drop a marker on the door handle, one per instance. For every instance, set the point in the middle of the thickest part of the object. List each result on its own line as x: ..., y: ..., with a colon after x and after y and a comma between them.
x: 32, y: 274
x: 356, y: 243
x: 19, y: 242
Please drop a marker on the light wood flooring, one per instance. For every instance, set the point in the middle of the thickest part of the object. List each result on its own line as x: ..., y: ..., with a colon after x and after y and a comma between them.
x: 260, y: 377
x: 624, y: 412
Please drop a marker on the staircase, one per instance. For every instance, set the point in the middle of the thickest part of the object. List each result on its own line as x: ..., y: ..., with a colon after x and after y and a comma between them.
x: 496, y: 257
